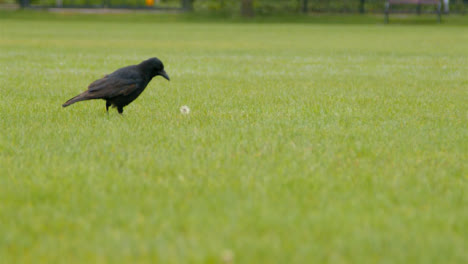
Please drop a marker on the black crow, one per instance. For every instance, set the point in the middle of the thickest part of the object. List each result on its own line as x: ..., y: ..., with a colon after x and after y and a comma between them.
x: 123, y: 86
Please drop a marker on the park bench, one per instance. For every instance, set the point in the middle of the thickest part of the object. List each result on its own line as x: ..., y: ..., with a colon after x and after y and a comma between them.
x: 436, y: 3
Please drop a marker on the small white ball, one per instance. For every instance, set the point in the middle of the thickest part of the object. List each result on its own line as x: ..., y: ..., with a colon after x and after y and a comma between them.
x: 185, y: 110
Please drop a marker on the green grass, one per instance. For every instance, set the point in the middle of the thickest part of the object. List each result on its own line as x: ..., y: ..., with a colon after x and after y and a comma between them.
x: 143, y: 16
x: 306, y: 143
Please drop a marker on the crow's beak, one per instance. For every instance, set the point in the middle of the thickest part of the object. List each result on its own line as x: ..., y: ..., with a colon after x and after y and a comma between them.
x: 164, y: 74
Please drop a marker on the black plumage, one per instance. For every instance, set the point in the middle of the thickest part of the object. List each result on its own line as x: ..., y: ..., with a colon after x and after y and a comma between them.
x: 123, y: 86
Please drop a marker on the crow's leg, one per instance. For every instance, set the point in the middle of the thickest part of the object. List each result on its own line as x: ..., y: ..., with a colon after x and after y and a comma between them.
x: 120, y: 109
x: 108, y: 104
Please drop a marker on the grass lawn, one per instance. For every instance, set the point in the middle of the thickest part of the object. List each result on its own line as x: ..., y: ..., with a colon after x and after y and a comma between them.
x: 306, y: 143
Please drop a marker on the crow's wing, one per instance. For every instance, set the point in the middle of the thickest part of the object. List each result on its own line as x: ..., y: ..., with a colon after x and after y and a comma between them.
x: 110, y: 86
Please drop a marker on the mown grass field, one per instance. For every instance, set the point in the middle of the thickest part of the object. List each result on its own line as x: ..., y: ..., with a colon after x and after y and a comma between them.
x: 306, y: 143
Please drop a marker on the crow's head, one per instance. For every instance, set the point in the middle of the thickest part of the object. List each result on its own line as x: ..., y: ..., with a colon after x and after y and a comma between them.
x: 154, y: 67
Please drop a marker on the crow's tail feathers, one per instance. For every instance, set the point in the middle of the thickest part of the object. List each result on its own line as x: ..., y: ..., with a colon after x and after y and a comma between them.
x: 80, y: 97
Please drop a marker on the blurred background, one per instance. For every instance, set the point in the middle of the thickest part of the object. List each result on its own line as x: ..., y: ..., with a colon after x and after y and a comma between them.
x: 244, y: 7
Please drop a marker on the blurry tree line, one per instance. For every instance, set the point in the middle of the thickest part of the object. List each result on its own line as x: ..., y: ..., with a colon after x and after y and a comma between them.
x: 248, y: 7
x: 252, y: 7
